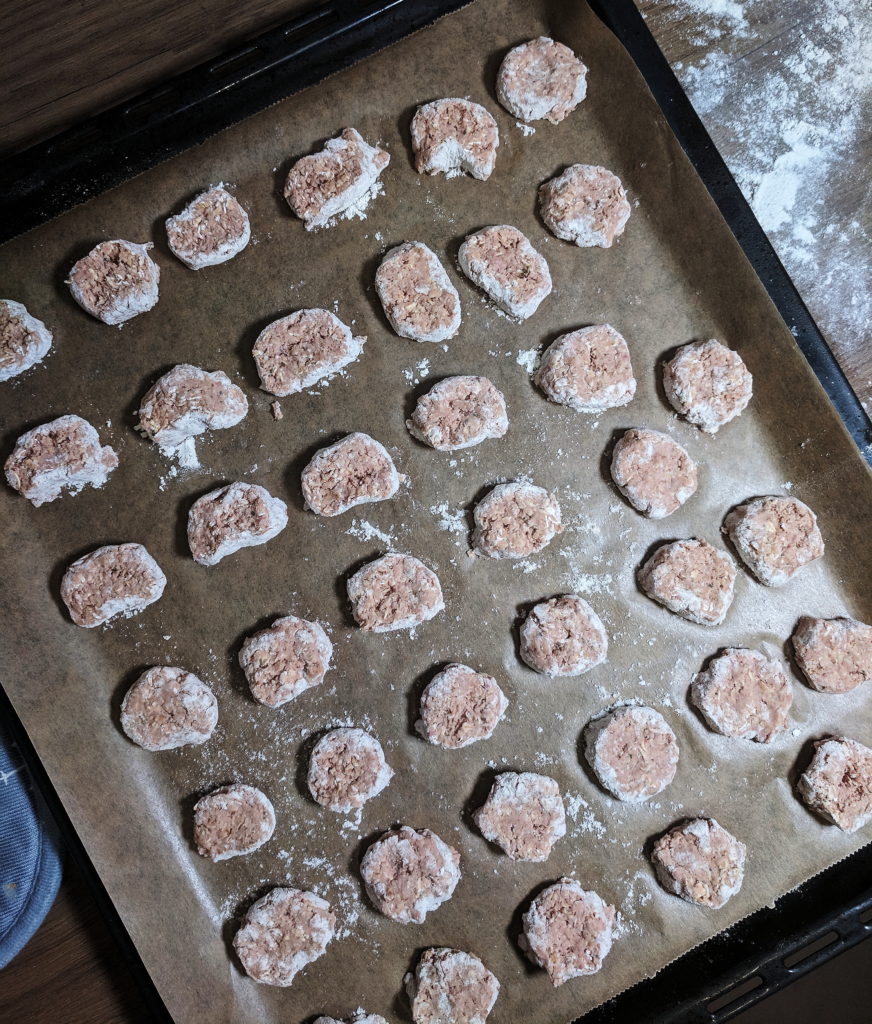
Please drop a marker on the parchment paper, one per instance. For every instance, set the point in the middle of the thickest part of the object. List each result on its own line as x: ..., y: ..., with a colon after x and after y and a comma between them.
x: 677, y: 274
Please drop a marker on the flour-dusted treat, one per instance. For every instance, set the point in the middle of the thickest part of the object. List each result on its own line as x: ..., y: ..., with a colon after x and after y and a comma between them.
x: 563, y: 636
x: 451, y: 136
x: 394, y: 592
x: 653, y: 472
x: 567, y: 930
x: 167, y: 708
x: 232, y: 821
x: 63, y: 455
x: 341, y: 178
x: 298, y: 351
x: 409, y: 872
x: 285, y: 659
x: 775, y: 537
x: 24, y: 340
x: 523, y: 815
x: 541, y: 79
x: 700, y: 861
x: 116, y: 281
x: 118, y: 579
x: 212, y: 229
x: 588, y: 370
x: 708, y: 384
x: 744, y: 694
x: 418, y: 298
x: 449, y: 986
x: 503, y: 263
x: 354, y: 471
x: 237, y: 516
x: 632, y: 752
x: 359, y: 1017
x: 283, y: 932
x: 835, y: 655
x: 585, y: 205
x: 690, y: 578
x: 837, y: 784
x: 347, y: 768
x: 459, y: 412
x: 515, y: 520
x: 188, y: 401
x: 460, y: 706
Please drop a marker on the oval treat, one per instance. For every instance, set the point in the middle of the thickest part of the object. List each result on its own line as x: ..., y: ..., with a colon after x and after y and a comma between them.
x: 588, y: 370
x: 563, y: 636
x: 347, y: 768
x: 632, y: 752
x: 24, y: 340
x: 354, y: 471
x: 835, y: 655
x: 541, y: 79
x: 460, y: 706
x: 707, y: 383
x: 503, y: 263
x: 459, y: 412
x: 523, y: 815
x: 232, y: 821
x: 168, y: 708
x: 285, y: 659
x: 418, y: 297
x: 515, y: 520
x: 116, y: 281
x: 394, y: 592
x: 451, y: 136
x: 212, y: 229
x: 744, y: 694
x: 451, y: 987
x: 775, y: 537
x: 119, y: 579
x: 690, y: 578
x: 585, y: 205
x: 230, y: 518
x: 700, y: 861
x: 837, y: 784
x: 653, y: 472
x: 188, y: 401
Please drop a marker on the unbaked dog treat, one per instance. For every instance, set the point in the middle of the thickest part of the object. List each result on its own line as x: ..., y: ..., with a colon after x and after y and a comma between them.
x: 409, y: 872
x: 460, y: 706
x: 167, y: 708
x: 298, y: 351
x: 503, y: 263
x: 340, y: 177
x: 708, y: 384
x: 690, y: 578
x: 700, y: 861
x: 394, y: 592
x: 453, y: 135
x: 541, y: 79
x: 212, y: 229
x: 837, y: 784
x: 563, y: 636
x: 567, y: 930
x: 653, y: 472
x: 24, y: 340
x: 285, y: 659
x: 347, y: 768
x: 232, y: 821
x: 588, y: 370
x: 585, y: 205
x: 459, y: 412
x: 116, y: 281
x: 188, y: 401
x: 775, y: 537
x: 63, y: 455
x: 744, y: 694
x: 118, y: 579
x: 515, y: 520
x: 237, y: 516
x: 523, y: 815
x: 835, y: 655
x: 353, y: 471
x: 283, y: 932
x: 360, y: 1017
x: 451, y: 987
x: 632, y: 752
x: 418, y: 298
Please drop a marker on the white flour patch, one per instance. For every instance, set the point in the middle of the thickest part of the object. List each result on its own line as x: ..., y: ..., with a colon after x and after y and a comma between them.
x: 450, y: 520
x: 525, y: 129
x: 362, y: 530
x: 415, y: 374
x: 528, y: 358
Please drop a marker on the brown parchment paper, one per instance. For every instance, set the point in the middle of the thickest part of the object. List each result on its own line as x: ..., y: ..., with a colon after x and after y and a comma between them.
x: 677, y: 274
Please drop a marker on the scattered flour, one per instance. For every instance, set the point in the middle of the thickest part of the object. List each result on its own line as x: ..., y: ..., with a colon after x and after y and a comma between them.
x: 415, y: 374
x: 526, y: 129
x: 450, y: 520
x: 362, y: 530
x: 528, y: 358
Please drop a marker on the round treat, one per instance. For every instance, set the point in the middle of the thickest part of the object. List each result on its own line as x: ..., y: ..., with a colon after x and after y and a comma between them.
x: 283, y: 932
x: 459, y: 412
x: 743, y: 693
x: 302, y: 349
x: 653, y: 472
x: 515, y: 520
x: 523, y: 815
x: 340, y: 178
x: 359, y: 1017
x: 347, y: 768
x: 408, y: 873
x: 708, y: 384
x: 585, y: 205
x: 835, y: 655
x: 563, y: 636
x: 232, y: 821
x: 188, y: 401
x: 394, y: 592
x: 116, y: 281
x: 690, y: 578
x: 460, y: 706
x: 213, y: 228
x: 838, y: 782
x: 453, y: 135
x: 236, y: 516
x: 632, y: 752
x: 418, y: 298
x: 354, y: 471
x: 541, y: 79
x: 119, y: 579
x: 567, y: 930
x: 451, y: 987
x: 167, y: 708
x: 24, y: 340
x: 775, y: 537
x: 700, y: 861
x: 280, y: 662
x: 63, y: 455
x: 503, y: 263
x: 588, y: 370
